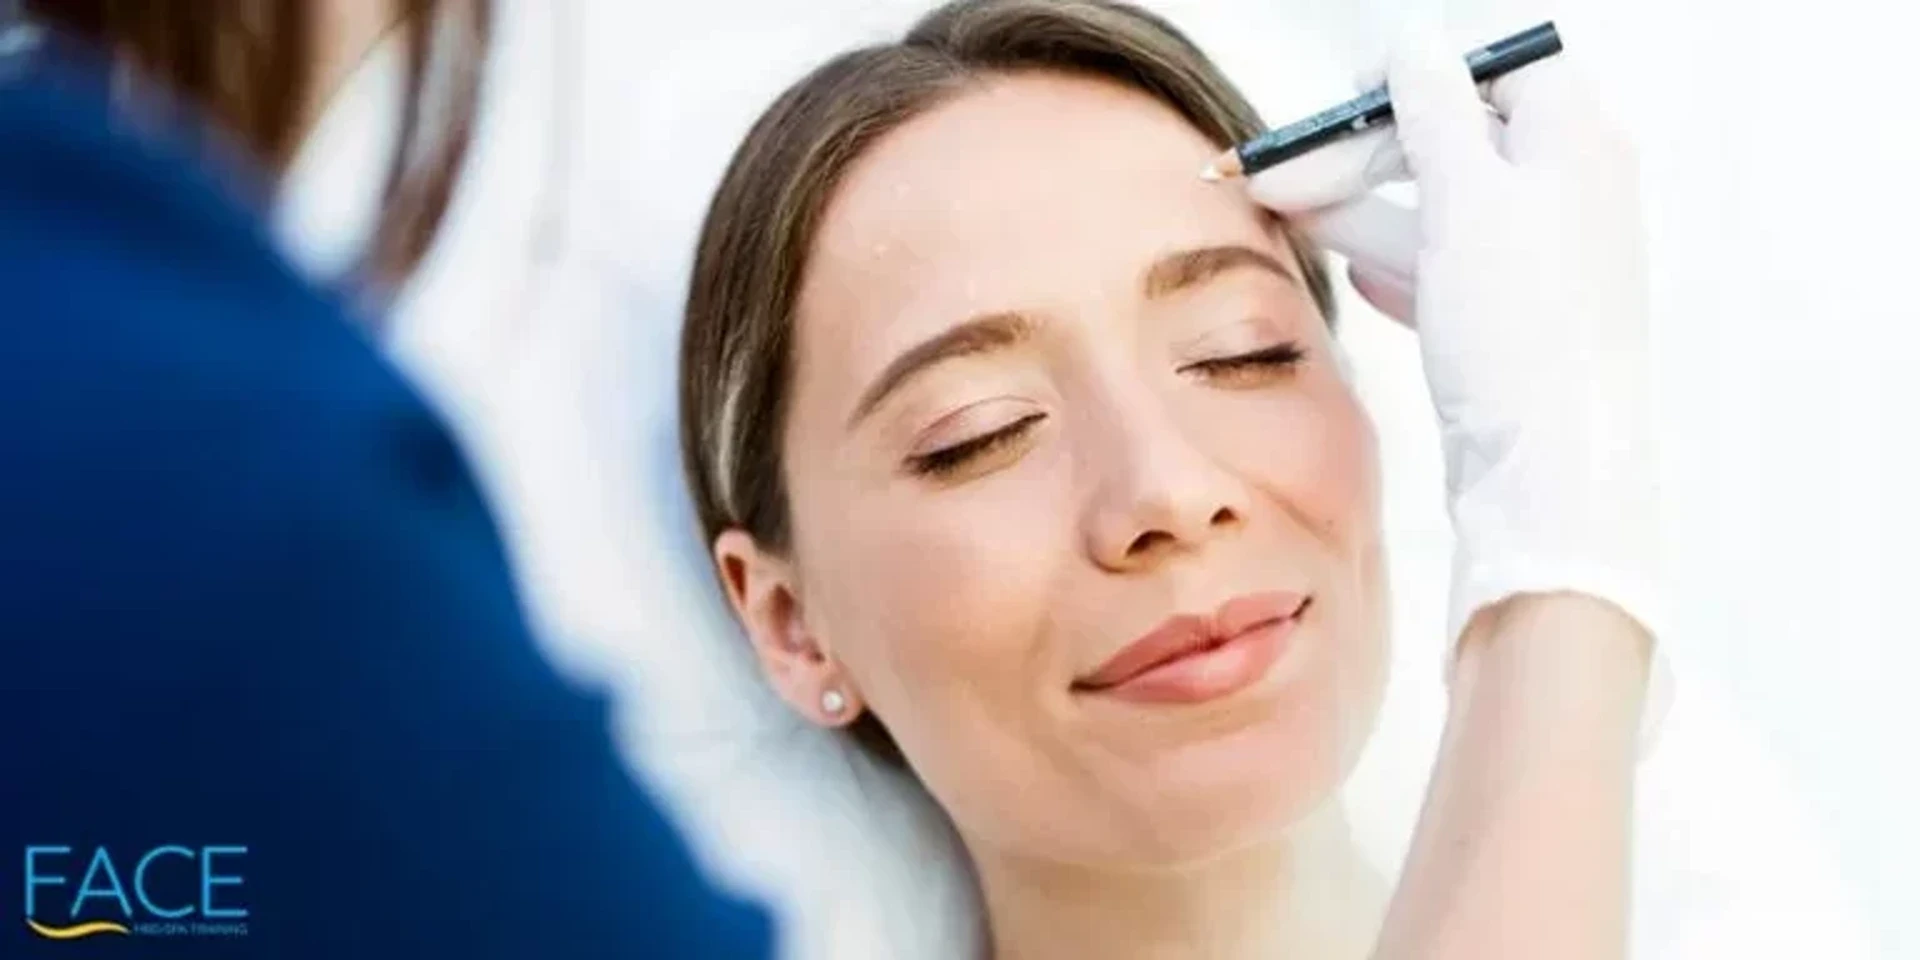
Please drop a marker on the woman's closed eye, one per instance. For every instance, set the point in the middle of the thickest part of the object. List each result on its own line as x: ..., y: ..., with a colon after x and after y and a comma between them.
x: 976, y: 452
x: 1251, y: 369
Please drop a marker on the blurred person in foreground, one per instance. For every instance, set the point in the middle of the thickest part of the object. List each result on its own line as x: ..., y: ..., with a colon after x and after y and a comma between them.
x: 268, y: 690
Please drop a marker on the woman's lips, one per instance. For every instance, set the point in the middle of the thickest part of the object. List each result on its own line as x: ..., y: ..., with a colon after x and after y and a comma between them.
x: 1192, y: 658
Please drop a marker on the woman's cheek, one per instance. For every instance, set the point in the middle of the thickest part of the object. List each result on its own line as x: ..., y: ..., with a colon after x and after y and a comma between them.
x: 957, y: 576
x: 1311, y: 449
x: 1351, y: 458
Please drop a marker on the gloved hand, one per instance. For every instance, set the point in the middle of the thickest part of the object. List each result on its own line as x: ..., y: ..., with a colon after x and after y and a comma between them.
x: 1523, y: 271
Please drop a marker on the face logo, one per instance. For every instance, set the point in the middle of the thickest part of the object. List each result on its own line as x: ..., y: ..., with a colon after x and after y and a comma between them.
x: 167, y: 890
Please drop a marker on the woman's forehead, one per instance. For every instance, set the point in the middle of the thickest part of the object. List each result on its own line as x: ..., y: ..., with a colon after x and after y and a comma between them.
x: 1021, y: 192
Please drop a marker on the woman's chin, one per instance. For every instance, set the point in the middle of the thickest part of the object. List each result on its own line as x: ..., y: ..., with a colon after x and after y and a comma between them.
x: 1216, y: 797
x: 1204, y: 800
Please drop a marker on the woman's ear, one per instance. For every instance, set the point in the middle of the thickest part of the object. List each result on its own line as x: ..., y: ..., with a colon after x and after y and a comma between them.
x: 766, y: 597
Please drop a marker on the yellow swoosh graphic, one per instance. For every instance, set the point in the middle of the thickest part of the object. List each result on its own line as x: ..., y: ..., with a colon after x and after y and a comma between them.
x: 76, y: 931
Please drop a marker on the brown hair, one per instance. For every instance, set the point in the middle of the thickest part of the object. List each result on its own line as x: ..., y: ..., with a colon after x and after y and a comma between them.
x: 248, y: 64
x: 736, y: 342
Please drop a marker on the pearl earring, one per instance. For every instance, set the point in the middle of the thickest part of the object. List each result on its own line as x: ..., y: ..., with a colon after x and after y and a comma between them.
x: 833, y: 701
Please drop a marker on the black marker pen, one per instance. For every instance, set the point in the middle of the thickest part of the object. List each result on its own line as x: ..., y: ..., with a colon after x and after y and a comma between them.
x: 1373, y: 108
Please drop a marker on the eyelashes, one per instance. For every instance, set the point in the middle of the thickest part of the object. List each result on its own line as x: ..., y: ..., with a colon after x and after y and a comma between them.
x: 1253, y: 369
x: 949, y: 460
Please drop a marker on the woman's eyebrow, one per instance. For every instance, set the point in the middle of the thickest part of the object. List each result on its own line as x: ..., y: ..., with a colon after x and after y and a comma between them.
x: 1000, y: 330
x: 982, y: 334
x: 1178, y: 271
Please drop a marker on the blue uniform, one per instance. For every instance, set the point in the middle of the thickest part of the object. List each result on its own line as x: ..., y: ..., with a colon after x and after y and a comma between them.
x: 265, y: 688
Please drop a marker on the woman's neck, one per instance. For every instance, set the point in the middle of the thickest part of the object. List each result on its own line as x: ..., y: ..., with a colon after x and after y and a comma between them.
x: 1308, y: 894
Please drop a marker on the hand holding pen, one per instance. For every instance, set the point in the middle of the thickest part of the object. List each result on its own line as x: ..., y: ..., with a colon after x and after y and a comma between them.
x: 1523, y: 270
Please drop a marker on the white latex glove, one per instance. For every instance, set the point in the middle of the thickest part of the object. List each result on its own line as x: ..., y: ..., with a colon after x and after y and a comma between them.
x: 1523, y: 271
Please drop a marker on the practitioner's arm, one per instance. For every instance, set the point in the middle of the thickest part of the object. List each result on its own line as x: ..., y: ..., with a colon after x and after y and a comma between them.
x: 1522, y: 847
x: 1523, y: 273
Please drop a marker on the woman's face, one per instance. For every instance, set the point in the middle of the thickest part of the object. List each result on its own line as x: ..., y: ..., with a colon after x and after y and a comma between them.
x: 1055, y: 396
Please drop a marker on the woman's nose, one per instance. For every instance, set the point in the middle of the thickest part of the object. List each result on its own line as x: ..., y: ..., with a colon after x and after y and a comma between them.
x: 1157, y: 493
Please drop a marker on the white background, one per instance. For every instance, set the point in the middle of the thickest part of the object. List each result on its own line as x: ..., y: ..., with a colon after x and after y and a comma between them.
x: 1780, y: 151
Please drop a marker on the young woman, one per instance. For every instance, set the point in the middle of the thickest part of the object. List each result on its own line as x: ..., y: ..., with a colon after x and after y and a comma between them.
x: 1026, y: 456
